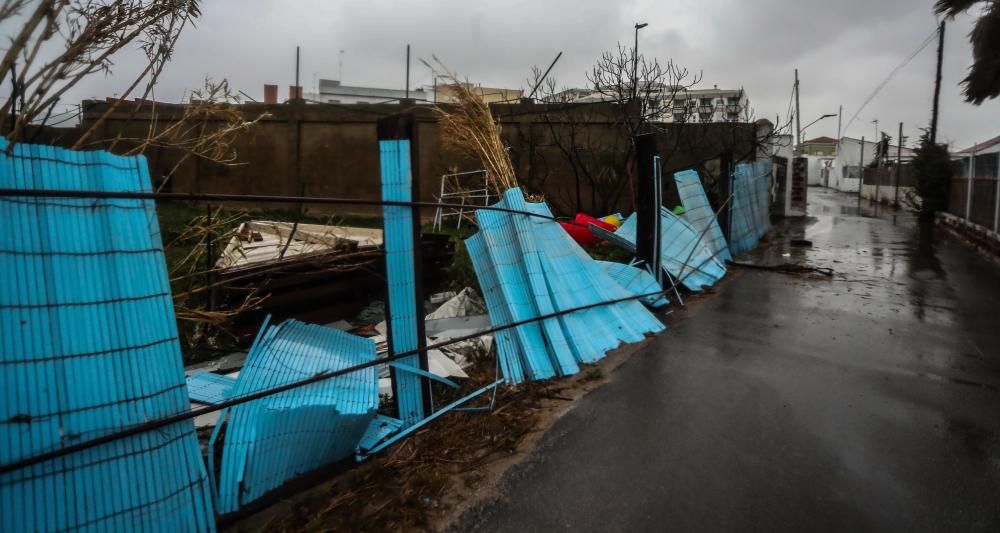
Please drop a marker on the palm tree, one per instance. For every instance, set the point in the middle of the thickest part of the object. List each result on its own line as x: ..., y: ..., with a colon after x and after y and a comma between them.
x: 983, y: 81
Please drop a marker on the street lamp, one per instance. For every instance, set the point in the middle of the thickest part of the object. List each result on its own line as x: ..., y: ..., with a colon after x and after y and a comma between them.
x: 635, y: 59
x: 817, y: 120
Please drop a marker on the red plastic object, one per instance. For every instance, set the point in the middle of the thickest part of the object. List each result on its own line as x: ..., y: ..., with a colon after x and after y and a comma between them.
x: 579, y: 229
x: 586, y: 220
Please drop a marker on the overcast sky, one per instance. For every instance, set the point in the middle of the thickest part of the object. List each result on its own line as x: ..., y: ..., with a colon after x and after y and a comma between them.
x: 842, y: 48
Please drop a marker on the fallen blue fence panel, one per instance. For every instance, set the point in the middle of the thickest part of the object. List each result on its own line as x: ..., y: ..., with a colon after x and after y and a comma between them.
x: 636, y: 281
x: 88, y: 347
x: 698, y: 212
x: 276, y: 438
x: 209, y: 388
x: 684, y: 256
x: 529, y: 266
x: 750, y: 217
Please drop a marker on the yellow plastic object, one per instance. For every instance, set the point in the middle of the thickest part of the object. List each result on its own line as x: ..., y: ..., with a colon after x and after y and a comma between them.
x: 614, y: 220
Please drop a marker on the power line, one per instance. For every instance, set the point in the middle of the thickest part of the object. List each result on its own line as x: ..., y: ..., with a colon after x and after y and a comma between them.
x: 927, y: 41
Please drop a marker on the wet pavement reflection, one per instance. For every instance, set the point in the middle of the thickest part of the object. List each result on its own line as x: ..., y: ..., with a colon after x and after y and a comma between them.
x: 865, y: 401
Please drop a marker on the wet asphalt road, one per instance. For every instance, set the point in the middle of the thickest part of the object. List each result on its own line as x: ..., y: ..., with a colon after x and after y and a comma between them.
x: 867, y: 402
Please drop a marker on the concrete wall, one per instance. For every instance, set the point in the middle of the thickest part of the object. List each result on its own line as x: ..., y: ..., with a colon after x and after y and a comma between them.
x: 331, y: 150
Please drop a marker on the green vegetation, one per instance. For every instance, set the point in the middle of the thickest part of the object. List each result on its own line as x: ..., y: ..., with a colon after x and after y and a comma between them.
x: 932, y: 166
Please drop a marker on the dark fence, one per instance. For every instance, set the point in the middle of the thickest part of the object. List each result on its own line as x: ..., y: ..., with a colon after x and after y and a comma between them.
x: 972, y: 195
x: 890, y: 176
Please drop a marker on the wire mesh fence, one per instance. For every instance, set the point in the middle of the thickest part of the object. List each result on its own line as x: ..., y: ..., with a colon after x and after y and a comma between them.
x: 92, y: 365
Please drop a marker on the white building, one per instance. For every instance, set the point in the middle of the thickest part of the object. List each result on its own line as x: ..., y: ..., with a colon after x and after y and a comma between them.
x: 678, y: 104
x: 332, y: 92
x: 842, y: 171
x: 707, y: 105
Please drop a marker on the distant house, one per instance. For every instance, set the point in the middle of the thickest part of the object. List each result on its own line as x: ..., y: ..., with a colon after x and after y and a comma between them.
x: 842, y: 170
x: 679, y: 104
x: 333, y: 92
x: 991, y: 146
x: 707, y: 105
x: 987, y: 156
x: 490, y: 95
x: 819, y: 146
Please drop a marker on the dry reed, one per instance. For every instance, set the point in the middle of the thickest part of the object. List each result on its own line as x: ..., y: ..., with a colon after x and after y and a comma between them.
x: 468, y: 126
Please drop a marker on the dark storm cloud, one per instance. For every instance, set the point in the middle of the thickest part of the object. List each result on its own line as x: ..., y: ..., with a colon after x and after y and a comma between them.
x: 842, y: 49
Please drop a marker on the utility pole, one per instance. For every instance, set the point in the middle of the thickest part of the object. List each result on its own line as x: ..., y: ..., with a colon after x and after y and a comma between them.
x: 840, y: 115
x: 883, y: 150
x: 937, y: 84
x: 340, y: 66
x: 899, y: 164
x: 297, y: 68
x: 861, y: 172
x: 635, y: 62
x: 407, y: 72
x: 798, y: 122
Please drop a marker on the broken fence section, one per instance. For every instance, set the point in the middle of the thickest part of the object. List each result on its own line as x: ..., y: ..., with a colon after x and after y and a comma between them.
x: 88, y: 347
x: 528, y: 267
x: 750, y: 218
x: 274, y: 439
x: 699, y: 214
x: 636, y: 281
x: 684, y: 255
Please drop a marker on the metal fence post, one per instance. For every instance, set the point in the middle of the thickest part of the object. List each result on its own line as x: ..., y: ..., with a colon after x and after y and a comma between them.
x: 725, y: 188
x: 996, y: 198
x: 968, y: 184
x: 403, y: 263
x: 647, y: 238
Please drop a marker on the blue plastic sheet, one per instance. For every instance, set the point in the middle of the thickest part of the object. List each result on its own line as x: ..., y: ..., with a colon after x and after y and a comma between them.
x: 209, y: 388
x: 273, y: 439
x: 699, y: 214
x: 397, y: 178
x: 88, y: 347
x: 683, y: 256
x: 528, y: 267
x: 636, y: 281
x: 750, y: 217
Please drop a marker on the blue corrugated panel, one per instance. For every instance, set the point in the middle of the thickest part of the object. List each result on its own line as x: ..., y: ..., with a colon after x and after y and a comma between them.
x: 378, y: 430
x: 698, y: 212
x: 276, y: 438
x: 394, y: 157
x: 529, y: 266
x: 636, y: 281
x: 683, y: 257
x: 88, y: 347
x: 209, y: 388
x: 750, y: 215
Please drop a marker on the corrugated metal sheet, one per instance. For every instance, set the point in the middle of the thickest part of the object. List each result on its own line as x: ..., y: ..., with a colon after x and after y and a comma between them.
x: 698, y: 212
x: 209, y: 388
x: 527, y: 267
x: 750, y: 216
x: 274, y: 439
x: 88, y: 347
x: 683, y: 256
x: 636, y: 281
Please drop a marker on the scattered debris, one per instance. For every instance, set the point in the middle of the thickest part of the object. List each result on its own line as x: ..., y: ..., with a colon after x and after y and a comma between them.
x: 259, y: 241
x: 465, y: 303
x: 788, y: 268
x: 801, y: 242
